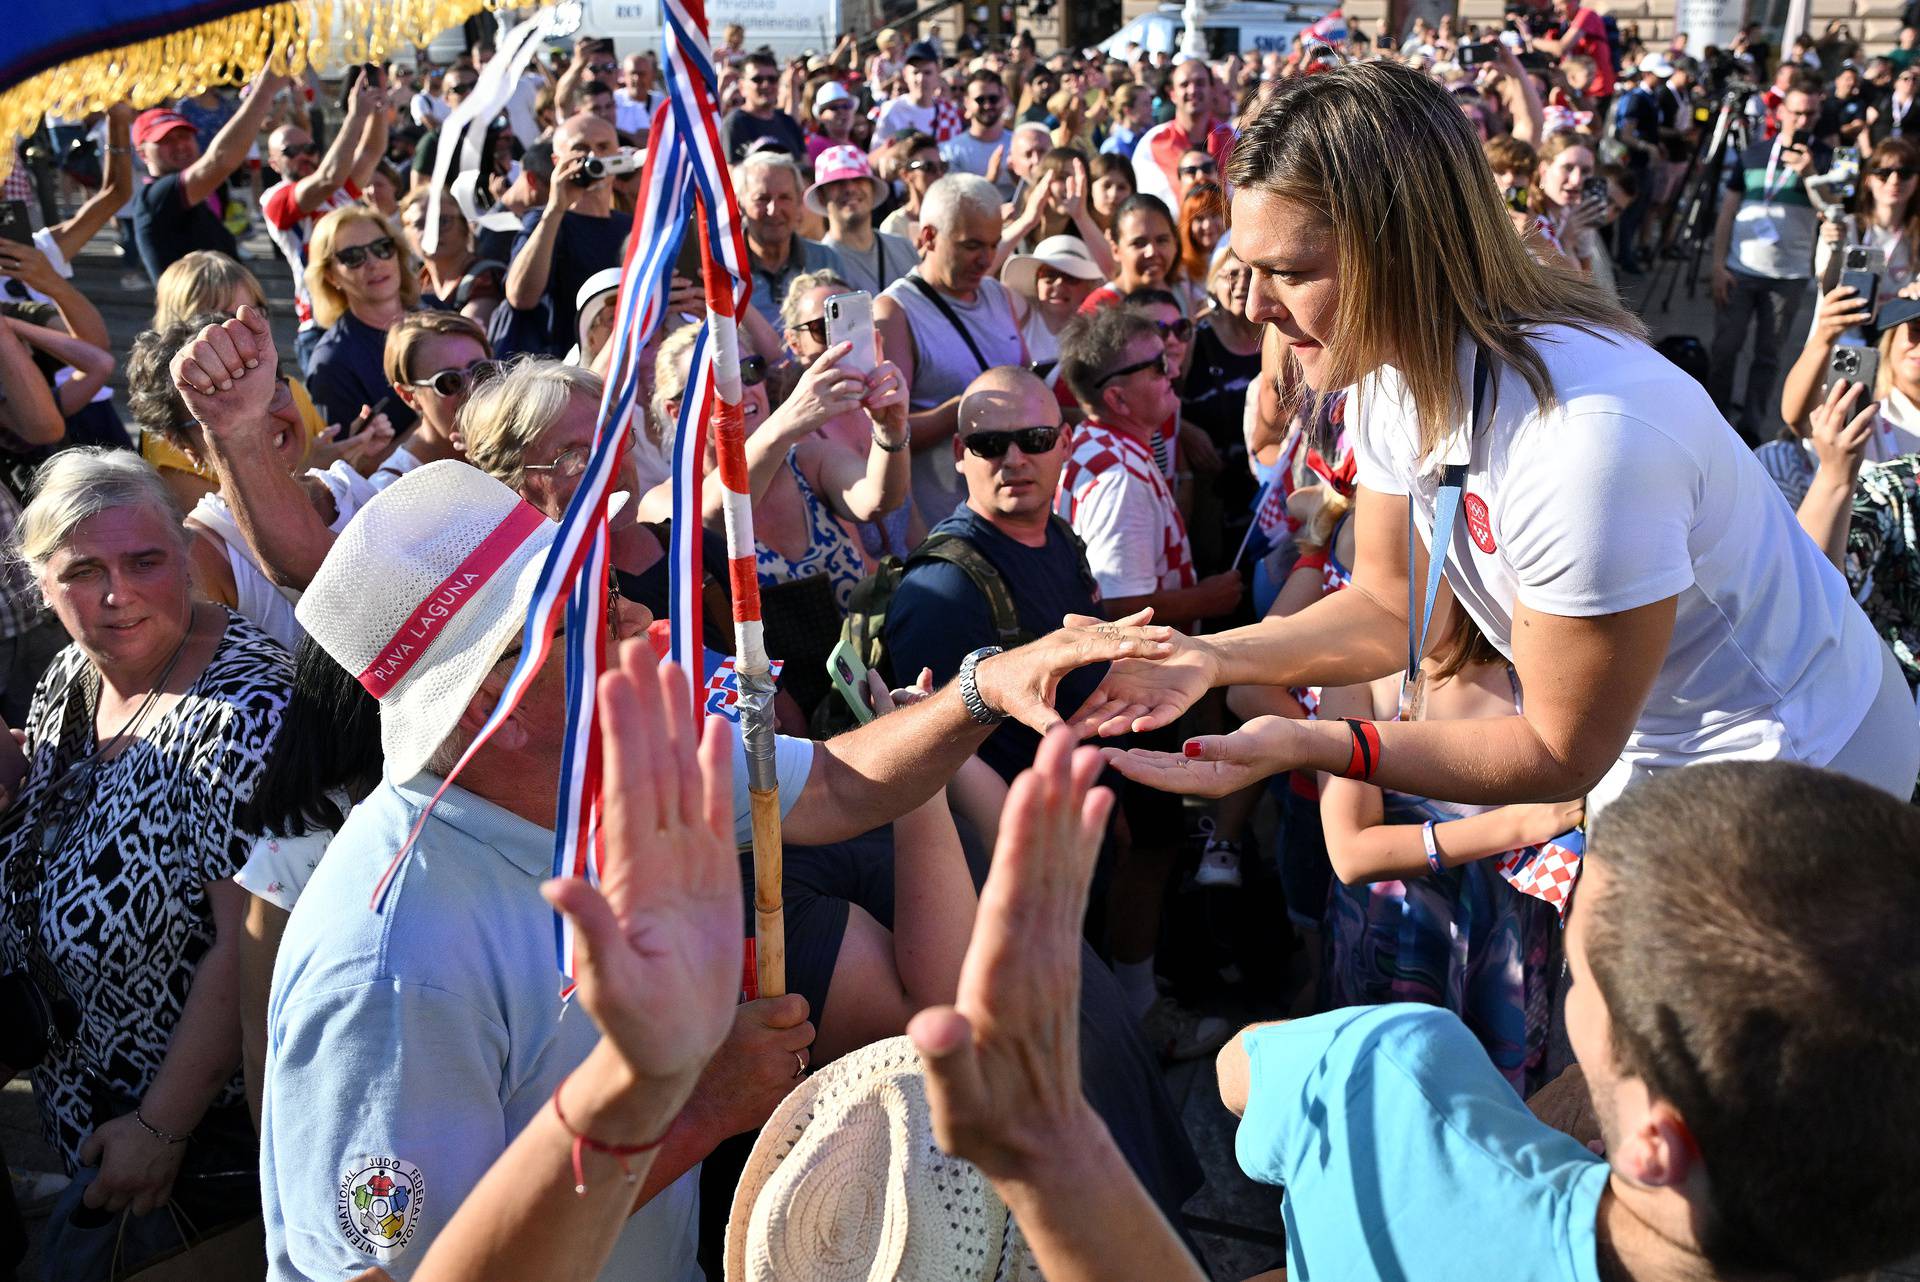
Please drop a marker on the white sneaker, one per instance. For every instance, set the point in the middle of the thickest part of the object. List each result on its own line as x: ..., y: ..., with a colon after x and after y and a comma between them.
x: 35, y: 1192
x: 1176, y: 1033
x: 1219, y: 863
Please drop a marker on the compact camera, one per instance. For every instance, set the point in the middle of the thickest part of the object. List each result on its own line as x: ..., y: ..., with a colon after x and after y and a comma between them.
x: 625, y: 161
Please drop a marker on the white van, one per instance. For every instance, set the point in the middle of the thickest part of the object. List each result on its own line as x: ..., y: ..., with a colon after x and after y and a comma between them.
x: 1248, y: 27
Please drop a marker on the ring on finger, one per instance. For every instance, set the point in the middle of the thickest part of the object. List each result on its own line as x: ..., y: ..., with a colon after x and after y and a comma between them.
x: 799, y: 1065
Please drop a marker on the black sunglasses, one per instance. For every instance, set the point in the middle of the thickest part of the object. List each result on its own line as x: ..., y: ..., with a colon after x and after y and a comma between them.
x: 462, y: 86
x: 764, y: 80
x: 1896, y: 171
x: 354, y: 256
x: 817, y: 327
x: 1206, y: 167
x: 304, y: 149
x: 1178, y: 330
x: 753, y: 370
x: 1031, y: 440
x: 994, y: 101
x: 1159, y: 362
x: 453, y: 382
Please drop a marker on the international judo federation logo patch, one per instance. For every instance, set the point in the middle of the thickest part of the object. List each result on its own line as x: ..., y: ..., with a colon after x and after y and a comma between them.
x: 380, y: 1204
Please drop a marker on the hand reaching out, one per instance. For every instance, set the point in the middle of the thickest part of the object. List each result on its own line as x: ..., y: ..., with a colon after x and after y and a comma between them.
x: 657, y: 945
x: 1003, y: 1062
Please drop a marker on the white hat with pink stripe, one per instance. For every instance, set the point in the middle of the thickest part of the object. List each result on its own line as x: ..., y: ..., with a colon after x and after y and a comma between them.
x: 420, y: 596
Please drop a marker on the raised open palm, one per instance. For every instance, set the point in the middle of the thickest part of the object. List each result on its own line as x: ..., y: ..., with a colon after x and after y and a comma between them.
x: 657, y: 946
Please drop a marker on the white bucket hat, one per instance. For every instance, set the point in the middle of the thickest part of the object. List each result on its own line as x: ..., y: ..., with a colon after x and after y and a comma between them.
x: 420, y: 595
x: 602, y: 289
x: 846, y: 1184
x: 1062, y: 253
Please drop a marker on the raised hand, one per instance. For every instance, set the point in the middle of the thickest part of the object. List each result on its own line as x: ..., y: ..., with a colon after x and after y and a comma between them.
x: 1003, y: 1062
x: 1217, y: 764
x: 657, y: 946
x: 227, y: 375
x: 825, y: 391
x: 1841, y: 428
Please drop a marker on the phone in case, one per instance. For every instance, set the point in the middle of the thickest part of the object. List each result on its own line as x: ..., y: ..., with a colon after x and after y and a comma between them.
x: 15, y: 225
x: 850, y: 320
x: 848, y: 672
x: 1860, y: 269
x: 1854, y: 365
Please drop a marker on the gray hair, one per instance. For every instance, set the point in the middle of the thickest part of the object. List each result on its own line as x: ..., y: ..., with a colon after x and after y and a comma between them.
x: 504, y: 416
x: 1031, y: 126
x: 78, y: 484
x: 760, y: 160
x: 800, y: 286
x: 957, y: 196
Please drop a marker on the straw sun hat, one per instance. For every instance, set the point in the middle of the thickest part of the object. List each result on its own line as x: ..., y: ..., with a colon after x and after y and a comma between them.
x: 847, y: 1183
x: 420, y: 595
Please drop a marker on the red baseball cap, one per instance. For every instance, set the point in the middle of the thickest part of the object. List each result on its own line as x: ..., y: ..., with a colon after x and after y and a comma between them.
x: 155, y: 123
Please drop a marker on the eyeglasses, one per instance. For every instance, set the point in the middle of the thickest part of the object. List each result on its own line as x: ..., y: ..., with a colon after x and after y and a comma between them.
x: 454, y: 382
x: 753, y: 370
x: 353, y: 257
x: 994, y: 101
x: 934, y: 167
x: 838, y: 104
x: 566, y: 465
x: 1896, y: 171
x: 461, y: 86
x: 604, y: 68
x: 764, y: 79
x: 1179, y: 331
x: 1158, y: 362
x: 1031, y: 440
x: 1204, y: 167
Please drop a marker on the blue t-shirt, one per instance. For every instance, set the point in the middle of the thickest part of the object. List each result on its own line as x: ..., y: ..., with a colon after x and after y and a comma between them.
x: 938, y: 617
x: 586, y: 244
x: 348, y: 371
x: 166, y: 228
x: 1404, y: 1154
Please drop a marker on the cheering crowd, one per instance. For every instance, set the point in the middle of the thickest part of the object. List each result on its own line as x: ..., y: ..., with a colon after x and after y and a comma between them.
x: 1226, y: 543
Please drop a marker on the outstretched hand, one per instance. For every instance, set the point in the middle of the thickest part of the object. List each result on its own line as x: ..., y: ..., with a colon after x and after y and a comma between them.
x: 1217, y: 764
x: 1022, y: 682
x: 1003, y: 1062
x: 1149, y: 692
x: 657, y: 945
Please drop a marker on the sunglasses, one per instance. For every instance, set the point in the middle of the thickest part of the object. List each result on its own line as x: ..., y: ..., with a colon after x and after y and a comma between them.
x: 1031, y: 440
x: 455, y: 382
x: 764, y: 80
x: 817, y: 328
x: 1896, y: 171
x: 840, y: 104
x: 1158, y: 362
x: 926, y: 167
x: 1209, y: 167
x: 304, y: 149
x: 353, y: 257
x: 994, y: 101
x: 1179, y: 331
x: 753, y: 370
x: 603, y: 68
x: 462, y: 86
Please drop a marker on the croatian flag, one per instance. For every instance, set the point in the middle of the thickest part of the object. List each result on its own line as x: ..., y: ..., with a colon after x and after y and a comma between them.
x: 1548, y: 871
x: 1331, y: 29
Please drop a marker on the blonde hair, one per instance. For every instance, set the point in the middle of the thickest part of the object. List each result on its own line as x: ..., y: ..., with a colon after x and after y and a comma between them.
x: 415, y: 328
x: 504, y: 416
x: 329, y: 303
x: 1426, y: 253
x: 670, y: 379
x: 803, y: 284
x: 80, y: 483
x: 202, y: 281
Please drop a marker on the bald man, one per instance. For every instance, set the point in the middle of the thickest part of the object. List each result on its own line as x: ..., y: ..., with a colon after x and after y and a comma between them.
x: 579, y: 232
x: 312, y: 185
x: 1009, y: 451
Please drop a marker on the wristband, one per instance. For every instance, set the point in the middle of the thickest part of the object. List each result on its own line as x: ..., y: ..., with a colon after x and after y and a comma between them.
x: 580, y: 1141
x: 906, y: 439
x: 155, y: 1131
x: 1432, y: 847
x: 1365, y: 758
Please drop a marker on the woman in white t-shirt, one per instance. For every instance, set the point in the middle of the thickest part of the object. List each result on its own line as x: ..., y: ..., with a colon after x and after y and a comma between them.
x: 1614, y: 538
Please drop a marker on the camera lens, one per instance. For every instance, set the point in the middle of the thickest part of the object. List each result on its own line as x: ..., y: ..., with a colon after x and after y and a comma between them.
x: 1846, y: 362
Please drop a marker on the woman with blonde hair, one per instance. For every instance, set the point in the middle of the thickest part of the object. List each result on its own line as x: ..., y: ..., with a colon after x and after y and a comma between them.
x: 361, y: 280
x: 1586, y: 502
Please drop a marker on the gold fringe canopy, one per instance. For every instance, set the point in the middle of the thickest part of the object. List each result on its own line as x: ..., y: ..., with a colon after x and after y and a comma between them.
x: 291, y: 35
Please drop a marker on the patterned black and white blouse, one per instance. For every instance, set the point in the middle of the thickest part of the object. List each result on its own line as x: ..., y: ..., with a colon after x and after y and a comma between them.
x: 122, y: 910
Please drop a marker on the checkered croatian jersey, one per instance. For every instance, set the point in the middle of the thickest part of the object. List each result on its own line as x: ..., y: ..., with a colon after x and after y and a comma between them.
x: 291, y: 230
x: 1106, y: 481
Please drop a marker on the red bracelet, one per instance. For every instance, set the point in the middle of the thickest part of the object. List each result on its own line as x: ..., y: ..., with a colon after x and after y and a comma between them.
x: 620, y: 1151
x: 1366, y: 749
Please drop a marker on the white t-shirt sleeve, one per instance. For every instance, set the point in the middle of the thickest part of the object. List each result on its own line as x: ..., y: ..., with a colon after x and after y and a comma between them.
x: 1375, y: 467
x: 277, y: 868
x: 1594, y: 515
x: 351, y: 491
x: 1120, y: 524
x: 792, y: 763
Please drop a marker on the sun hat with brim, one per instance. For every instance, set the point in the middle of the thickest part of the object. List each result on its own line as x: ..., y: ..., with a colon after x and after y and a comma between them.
x: 420, y: 595
x: 1062, y: 253
x: 838, y: 164
x: 155, y: 123
x: 846, y: 1184
x: 602, y: 289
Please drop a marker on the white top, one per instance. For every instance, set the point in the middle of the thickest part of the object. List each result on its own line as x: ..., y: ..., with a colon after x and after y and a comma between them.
x: 903, y: 115
x: 1633, y: 490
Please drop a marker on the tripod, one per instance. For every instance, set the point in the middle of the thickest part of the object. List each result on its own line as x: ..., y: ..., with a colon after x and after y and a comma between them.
x: 1688, y: 230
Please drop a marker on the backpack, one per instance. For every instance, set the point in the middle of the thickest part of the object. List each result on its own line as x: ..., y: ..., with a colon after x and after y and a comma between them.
x: 865, y: 627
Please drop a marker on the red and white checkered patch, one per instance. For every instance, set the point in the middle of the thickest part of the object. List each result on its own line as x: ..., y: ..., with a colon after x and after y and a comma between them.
x: 723, y: 688
x: 1547, y: 872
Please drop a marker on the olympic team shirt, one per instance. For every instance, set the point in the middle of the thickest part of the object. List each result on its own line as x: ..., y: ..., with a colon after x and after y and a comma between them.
x: 1634, y: 489
x: 1405, y: 1154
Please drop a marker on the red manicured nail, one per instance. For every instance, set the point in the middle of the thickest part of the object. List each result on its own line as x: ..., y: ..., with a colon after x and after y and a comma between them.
x: 1191, y: 747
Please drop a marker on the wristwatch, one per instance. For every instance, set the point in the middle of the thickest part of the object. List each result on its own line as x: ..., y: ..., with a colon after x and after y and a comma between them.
x: 970, y: 688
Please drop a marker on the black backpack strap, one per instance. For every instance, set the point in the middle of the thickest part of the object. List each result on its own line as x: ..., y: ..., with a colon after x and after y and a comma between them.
x: 957, y: 551
x: 953, y: 317
x: 1091, y: 584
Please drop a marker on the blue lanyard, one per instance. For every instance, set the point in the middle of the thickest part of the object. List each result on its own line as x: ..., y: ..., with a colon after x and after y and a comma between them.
x: 1446, y: 510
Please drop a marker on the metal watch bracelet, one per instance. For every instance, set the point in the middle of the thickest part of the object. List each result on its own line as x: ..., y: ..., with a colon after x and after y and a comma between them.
x: 970, y: 688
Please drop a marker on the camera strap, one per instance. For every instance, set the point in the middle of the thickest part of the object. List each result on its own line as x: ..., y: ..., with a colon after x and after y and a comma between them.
x: 1446, y: 514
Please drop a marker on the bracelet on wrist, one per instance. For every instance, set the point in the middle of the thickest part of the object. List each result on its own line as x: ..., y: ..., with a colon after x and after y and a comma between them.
x: 581, y: 1140
x: 1364, y: 757
x: 1432, y: 847
x: 165, y: 1137
x: 906, y: 438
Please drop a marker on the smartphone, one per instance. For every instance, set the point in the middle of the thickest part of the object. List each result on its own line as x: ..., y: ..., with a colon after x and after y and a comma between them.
x: 848, y: 672
x: 359, y: 424
x: 1479, y: 54
x: 1594, y: 191
x: 1533, y: 60
x: 1854, y: 365
x: 850, y: 320
x: 14, y: 223
x: 1861, y: 267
